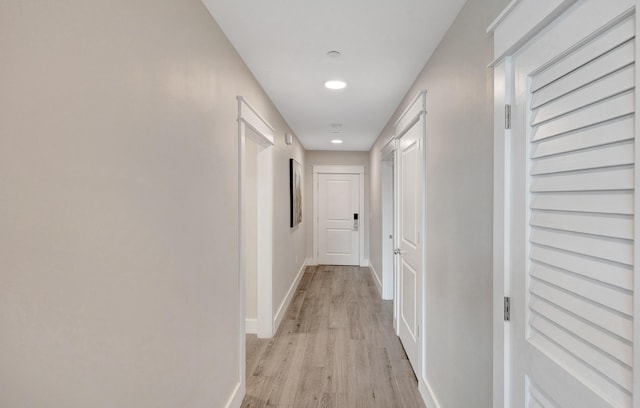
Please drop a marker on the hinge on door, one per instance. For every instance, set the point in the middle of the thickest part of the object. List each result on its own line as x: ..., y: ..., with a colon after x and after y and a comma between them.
x: 507, y: 116
x: 507, y: 308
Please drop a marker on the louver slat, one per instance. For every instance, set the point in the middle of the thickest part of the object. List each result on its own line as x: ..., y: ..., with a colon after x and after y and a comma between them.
x: 608, y: 41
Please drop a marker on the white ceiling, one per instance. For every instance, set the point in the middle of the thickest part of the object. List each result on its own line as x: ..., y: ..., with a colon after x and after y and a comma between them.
x: 384, y: 44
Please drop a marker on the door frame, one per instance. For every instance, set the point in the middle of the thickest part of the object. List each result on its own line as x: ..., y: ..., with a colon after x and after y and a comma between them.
x: 520, y: 21
x: 339, y: 169
x: 389, y: 203
x: 263, y: 134
x: 417, y: 111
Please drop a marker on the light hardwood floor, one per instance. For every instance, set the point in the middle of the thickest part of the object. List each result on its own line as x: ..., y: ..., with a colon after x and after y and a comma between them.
x: 335, y: 349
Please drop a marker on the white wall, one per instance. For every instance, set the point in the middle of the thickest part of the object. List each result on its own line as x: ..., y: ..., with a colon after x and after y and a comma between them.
x: 118, y: 204
x: 326, y: 157
x: 459, y: 199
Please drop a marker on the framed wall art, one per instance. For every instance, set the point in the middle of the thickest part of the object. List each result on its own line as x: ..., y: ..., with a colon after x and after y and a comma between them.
x: 295, y: 188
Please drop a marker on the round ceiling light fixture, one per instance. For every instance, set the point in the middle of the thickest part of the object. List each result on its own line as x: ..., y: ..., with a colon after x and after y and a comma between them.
x: 336, y: 141
x: 335, y: 85
x: 334, y: 54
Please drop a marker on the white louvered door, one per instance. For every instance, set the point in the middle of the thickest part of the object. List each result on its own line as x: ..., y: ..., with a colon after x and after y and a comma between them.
x: 572, y: 202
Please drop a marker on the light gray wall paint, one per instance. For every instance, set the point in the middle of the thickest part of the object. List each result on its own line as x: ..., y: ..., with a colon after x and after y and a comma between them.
x: 459, y: 200
x: 326, y: 157
x: 118, y: 204
x: 288, y: 243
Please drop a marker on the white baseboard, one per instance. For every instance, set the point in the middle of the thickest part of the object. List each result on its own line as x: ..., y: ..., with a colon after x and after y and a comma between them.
x: 374, y: 275
x: 251, y: 326
x: 311, y: 262
x: 235, y: 400
x: 364, y: 263
x: 427, y: 394
x: 282, y: 310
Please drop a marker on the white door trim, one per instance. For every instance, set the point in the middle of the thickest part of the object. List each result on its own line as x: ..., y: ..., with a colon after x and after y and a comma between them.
x: 520, y: 21
x: 501, y: 237
x: 411, y: 114
x: 263, y: 135
x: 338, y: 169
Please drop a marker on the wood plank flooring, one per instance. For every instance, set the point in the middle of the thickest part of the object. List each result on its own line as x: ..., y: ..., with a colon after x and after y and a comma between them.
x: 335, y: 349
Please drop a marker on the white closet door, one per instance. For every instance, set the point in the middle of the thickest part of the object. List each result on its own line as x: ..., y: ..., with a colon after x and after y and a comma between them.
x: 572, y: 200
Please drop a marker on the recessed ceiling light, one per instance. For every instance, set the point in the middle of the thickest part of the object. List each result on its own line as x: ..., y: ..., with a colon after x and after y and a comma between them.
x: 334, y: 54
x: 335, y: 85
x: 336, y: 141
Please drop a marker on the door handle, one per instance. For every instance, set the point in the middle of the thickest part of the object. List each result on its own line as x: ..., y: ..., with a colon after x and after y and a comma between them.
x: 355, y: 222
x: 397, y: 251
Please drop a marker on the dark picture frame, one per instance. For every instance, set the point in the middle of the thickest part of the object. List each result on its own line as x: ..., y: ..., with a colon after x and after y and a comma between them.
x: 295, y: 193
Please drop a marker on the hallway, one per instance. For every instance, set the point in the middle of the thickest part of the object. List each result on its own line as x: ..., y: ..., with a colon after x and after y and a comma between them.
x: 146, y: 201
x: 335, y: 348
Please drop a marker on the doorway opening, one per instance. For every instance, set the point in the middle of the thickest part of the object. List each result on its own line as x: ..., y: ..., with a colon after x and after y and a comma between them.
x: 251, y: 233
x: 255, y: 228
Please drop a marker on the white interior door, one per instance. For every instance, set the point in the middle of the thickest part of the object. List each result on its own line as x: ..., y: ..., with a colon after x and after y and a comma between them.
x: 410, y: 267
x: 572, y: 211
x: 388, y: 228
x: 339, y: 219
